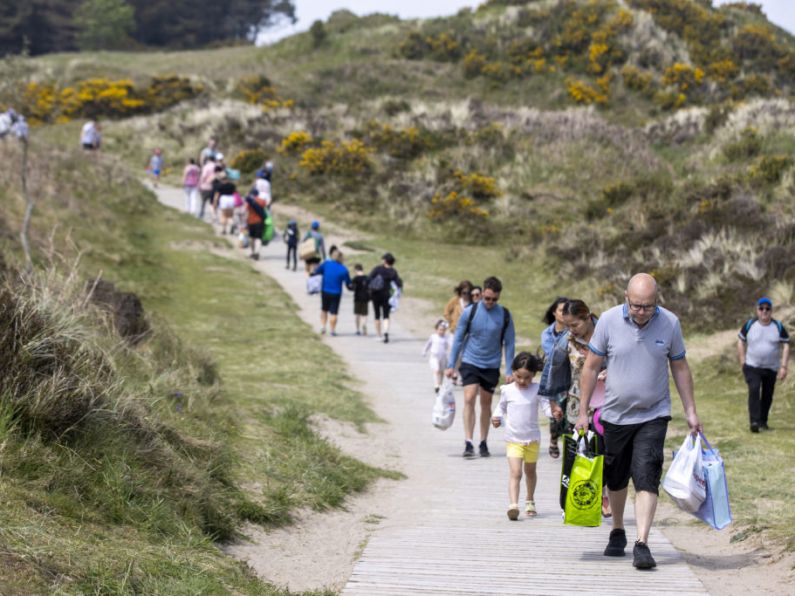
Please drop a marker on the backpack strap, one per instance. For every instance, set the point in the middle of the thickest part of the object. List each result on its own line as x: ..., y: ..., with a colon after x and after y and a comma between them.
x: 469, y: 320
x: 506, y: 320
x: 746, y: 328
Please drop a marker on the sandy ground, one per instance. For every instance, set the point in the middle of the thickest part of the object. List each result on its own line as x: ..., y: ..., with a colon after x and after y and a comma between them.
x: 320, y: 549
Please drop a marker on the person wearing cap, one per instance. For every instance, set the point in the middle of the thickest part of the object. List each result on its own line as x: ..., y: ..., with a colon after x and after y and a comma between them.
x: 763, y: 350
x: 381, y: 279
x: 320, y: 247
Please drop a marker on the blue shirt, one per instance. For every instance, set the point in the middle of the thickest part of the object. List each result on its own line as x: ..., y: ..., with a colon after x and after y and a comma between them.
x: 482, y: 348
x: 334, y: 276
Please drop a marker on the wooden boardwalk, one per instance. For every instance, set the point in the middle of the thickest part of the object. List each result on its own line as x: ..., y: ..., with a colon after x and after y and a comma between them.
x: 445, y: 530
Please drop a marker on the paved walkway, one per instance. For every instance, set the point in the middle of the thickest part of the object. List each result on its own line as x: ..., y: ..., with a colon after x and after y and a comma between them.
x: 446, y: 531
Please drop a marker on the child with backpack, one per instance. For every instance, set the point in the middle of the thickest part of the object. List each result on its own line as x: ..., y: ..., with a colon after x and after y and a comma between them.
x: 518, y: 412
x: 291, y: 240
x: 437, y: 348
x: 361, y: 296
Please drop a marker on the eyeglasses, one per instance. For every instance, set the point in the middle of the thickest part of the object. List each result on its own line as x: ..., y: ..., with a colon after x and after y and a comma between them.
x: 641, y: 307
x: 763, y: 308
x: 490, y: 299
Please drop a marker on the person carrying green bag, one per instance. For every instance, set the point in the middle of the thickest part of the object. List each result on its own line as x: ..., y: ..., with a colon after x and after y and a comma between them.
x: 583, y: 484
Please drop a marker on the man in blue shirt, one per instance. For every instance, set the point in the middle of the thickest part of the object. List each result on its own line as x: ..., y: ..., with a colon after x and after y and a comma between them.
x: 483, y: 329
x: 335, y: 275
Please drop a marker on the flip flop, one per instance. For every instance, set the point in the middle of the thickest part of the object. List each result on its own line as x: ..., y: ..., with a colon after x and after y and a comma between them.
x: 554, y: 450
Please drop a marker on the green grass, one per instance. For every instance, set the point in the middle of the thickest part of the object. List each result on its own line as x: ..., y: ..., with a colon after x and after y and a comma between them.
x: 246, y: 445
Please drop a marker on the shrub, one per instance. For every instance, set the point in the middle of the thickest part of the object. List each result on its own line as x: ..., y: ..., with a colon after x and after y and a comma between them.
x: 444, y: 47
x: 753, y: 85
x: 584, y: 93
x: 406, y: 143
x: 346, y: 160
x: 455, y: 205
x: 318, y: 33
x: 393, y: 107
x: 723, y: 71
x: 478, y: 185
x: 249, y: 160
x: 670, y: 100
x: 638, y: 80
x: 769, y: 169
x: 295, y: 142
x: 683, y: 77
x: 94, y: 98
x: 255, y: 89
x: 747, y: 146
x: 474, y: 63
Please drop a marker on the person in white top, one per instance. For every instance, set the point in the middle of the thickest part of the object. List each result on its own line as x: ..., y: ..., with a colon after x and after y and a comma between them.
x: 437, y: 348
x: 518, y: 412
x: 264, y: 188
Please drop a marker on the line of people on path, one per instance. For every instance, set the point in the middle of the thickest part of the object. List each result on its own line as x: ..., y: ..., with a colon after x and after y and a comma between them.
x: 382, y: 287
x: 608, y: 375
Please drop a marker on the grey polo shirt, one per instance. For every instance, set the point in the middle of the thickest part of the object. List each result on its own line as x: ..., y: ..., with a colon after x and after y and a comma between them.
x: 763, y: 343
x: 637, y: 363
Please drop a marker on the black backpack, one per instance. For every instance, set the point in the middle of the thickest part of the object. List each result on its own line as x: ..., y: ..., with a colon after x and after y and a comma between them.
x: 506, y: 319
x: 376, y: 283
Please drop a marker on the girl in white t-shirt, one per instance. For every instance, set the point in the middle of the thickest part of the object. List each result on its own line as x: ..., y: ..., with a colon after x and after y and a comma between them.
x: 518, y: 412
x: 437, y: 349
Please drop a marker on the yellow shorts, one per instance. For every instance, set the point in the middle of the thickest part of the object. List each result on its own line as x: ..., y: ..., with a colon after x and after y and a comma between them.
x: 529, y: 453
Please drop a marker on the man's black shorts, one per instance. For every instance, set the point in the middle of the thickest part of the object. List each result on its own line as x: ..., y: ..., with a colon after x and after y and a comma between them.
x: 487, y: 378
x: 255, y: 231
x: 635, y: 451
x: 330, y: 303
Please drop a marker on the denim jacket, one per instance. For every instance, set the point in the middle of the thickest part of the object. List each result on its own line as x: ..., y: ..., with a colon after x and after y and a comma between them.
x: 556, y: 376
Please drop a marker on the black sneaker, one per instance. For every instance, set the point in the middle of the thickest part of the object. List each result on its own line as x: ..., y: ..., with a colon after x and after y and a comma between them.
x: 616, y: 544
x: 386, y: 338
x: 754, y: 427
x: 469, y: 449
x: 765, y: 427
x: 642, y: 558
x: 484, y: 449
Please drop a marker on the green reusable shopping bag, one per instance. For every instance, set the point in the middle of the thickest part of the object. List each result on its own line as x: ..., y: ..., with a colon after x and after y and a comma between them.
x: 584, y: 495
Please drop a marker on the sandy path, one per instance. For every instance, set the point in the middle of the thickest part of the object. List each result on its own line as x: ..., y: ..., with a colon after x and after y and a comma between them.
x: 321, y: 549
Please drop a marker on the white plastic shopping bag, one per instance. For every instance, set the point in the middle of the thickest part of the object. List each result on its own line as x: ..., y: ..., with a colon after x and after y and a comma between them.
x: 314, y: 284
x: 444, y: 407
x: 685, y: 481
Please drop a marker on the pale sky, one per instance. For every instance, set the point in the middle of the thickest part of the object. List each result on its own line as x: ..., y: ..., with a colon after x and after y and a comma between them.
x: 780, y: 12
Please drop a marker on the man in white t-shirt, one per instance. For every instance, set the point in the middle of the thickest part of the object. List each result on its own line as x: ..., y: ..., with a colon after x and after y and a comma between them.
x: 264, y: 188
x: 763, y: 350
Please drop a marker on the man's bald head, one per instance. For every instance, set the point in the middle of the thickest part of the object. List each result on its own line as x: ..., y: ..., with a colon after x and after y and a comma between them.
x: 641, y: 295
x: 642, y: 283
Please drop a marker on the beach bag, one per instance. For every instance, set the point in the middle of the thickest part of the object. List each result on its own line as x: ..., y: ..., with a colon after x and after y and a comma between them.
x: 684, y: 482
x: 233, y: 174
x: 571, y: 444
x: 307, y: 249
x: 267, y: 230
x: 314, y: 284
x: 443, y: 412
x: 238, y: 199
x: 583, y: 505
x: 715, y: 510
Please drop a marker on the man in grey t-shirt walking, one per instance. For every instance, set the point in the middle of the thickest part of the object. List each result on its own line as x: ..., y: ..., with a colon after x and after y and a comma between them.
x: 763, y: 349
x: 640, y: 341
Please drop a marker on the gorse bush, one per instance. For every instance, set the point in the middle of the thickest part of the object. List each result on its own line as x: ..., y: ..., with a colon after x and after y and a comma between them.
x: 295, y: 142
x: 95, y: 98
x: 345, y: 160
x: 748, y: 145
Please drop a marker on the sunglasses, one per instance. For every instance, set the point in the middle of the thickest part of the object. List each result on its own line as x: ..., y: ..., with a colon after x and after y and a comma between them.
x: 763, y: 308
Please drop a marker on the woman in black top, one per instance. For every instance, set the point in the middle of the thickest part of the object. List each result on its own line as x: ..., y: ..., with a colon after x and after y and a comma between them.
x: 381, y: 279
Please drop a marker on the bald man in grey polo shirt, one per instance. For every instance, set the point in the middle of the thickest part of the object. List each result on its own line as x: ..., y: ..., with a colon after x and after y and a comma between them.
x: 640, y: 341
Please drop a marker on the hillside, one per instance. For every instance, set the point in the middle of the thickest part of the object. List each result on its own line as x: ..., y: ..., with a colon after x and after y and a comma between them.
x: 575, y: 141
x: 640, y: 129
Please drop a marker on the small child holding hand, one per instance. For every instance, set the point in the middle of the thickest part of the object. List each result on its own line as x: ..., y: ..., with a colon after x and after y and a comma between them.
x: 518, y: 411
